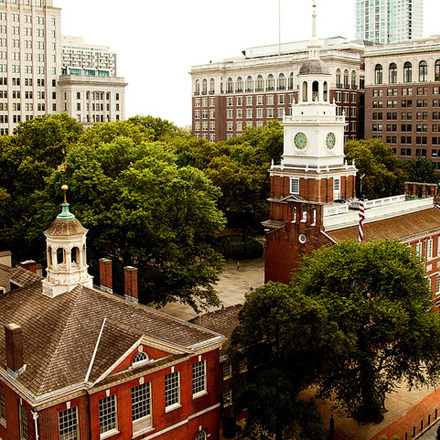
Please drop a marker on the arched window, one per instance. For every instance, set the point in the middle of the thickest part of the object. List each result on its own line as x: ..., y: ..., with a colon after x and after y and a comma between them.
x: 204, y: 87
x: 140, y: 357
x: 378, y: 74
x: 305, y: 90
x: 353, y: 79
x: 249, y: 84
x: 260, y: 83
x: 74, y: 255
x: 338, y: 78
x: 325, y: 91
x: 212, y: 86
x: 281, y: 82
x: 291, y: 81
x: 201, y: 435
x: 197, y: 89
x: 49, y: 256
x: 407, y: 72
x: 315, y: 91
x: 270, y: 82
x: 60, y: 255
x: 346, y: 83
x: 437, y: 71
x: 239, y: 88
x: 423, y: 71
x: 392, y: 74
x: 230, y: 86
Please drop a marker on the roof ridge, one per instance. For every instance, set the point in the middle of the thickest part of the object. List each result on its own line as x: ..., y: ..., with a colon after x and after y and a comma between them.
x: 71, y: 306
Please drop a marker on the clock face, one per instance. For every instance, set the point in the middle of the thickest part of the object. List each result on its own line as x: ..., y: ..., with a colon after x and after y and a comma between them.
x: 300, y: 140
x: 330, y: 140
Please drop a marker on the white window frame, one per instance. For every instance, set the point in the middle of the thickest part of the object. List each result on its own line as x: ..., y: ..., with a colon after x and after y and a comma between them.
x: 419, y: 248
x: 68, y: 424
x: 227, y: 370
x: 172, y: 391
x: 141, y: 413
x: 294, y: 185
x: 429, y: 248
x: 199, y: 379
x: 227, y: 397
x: 108, y: 407
x: 336, y: 188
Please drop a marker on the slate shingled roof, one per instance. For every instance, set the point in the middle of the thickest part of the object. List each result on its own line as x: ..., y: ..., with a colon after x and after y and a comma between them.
x: 60, y: 334
x: 221, y: 321
x: 405, y: 227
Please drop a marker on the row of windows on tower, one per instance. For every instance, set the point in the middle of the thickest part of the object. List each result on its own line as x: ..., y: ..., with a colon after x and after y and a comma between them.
x: 407, y: 72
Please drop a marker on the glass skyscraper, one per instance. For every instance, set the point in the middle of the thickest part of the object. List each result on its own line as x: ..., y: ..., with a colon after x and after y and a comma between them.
x: 389, y: 21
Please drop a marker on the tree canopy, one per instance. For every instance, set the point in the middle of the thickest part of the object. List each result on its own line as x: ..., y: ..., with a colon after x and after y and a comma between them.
x: 287, y: 341
x: 385, y: 174
x: 143, y: 210
x: 379, y: 298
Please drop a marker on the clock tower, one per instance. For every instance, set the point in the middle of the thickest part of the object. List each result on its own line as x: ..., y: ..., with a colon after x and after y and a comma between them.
x: 313, y: 172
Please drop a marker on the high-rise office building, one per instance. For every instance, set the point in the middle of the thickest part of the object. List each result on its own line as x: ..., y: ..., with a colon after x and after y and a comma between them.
x: 89, y: 89
x: 30, y: 60
x: 389, y: 21
x: 42, y: 72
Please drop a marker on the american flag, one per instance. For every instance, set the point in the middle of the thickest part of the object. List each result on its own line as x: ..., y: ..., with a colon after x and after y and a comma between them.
x: 361, y: 220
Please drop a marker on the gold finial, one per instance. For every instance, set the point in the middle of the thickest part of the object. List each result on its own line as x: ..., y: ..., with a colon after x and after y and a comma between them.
x: 314, y: 4
x: 65, y: 188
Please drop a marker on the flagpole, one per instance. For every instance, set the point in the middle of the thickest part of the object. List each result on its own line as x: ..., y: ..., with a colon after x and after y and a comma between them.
x: 361, y: 213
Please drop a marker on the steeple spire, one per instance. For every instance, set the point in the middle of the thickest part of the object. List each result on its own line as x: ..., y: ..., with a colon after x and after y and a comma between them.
x: 314, y: 45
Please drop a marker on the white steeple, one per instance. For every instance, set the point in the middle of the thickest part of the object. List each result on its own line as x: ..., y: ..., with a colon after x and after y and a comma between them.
x: 66, y: 254
x: 314, y: 45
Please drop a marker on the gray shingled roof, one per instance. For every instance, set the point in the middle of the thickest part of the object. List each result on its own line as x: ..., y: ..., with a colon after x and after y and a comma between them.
x: 60, y: 334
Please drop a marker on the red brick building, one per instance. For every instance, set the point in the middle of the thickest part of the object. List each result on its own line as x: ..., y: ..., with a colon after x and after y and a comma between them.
x: 313, y: 199
x: 78, y: 362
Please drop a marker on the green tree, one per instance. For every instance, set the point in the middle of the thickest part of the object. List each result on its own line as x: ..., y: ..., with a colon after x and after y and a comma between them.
x: 287, y: 342
x: 422, y: 169
x: 384, y: 172
x: 161, y: 129
x: 378, y: 296
x: 143, y: 210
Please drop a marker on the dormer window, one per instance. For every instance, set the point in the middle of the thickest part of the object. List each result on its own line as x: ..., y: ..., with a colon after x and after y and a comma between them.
x: 139, y: 359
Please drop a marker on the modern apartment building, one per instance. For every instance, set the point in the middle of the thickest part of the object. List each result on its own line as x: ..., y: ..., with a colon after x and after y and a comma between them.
x: 261, y: 85
x: 89, y: 89
x: 30, y: 60
x: 402, y: 97
x: 42, y: 72
x: 389, y: 21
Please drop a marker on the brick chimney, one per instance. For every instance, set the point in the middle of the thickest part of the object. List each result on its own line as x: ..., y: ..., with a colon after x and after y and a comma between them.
x: 14, y: 349
x: 131, y: 283
x: 30, y: 265
x: 105, y: 275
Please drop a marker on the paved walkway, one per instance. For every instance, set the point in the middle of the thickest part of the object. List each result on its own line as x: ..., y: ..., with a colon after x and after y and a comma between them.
x: 231, y: 288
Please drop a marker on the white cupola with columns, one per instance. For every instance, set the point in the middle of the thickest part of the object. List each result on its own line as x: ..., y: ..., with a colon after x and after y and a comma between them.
x: 66, y: 254
x: 314, y: 134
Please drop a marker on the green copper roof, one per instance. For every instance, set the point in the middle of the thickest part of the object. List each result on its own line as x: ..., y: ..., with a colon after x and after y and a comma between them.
x: 65, y: 213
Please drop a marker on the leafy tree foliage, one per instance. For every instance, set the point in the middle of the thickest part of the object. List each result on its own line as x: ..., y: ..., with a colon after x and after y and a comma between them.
x: 161, y: 129
x: 143, y: 210
x: 384, y: 173
x: 422, y: 169
x: 378, y: 297
x: 287, y: 341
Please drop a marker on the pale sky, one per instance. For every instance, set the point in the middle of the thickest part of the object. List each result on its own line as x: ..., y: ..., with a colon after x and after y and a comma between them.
x: 157, y: 41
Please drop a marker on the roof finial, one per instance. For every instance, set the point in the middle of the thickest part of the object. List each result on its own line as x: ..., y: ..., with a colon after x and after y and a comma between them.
x: 65, y: 213
x: 314, y: 45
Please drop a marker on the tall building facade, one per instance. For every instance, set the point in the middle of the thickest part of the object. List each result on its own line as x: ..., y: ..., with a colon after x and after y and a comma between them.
x: 402, y: 97
x: 260, y: 86
x: 30, y: 60
x: 40, y: 69
x: 89, y: 88
x: 389, y: 21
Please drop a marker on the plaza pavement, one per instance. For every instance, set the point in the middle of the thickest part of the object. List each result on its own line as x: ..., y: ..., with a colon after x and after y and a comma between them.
x: 404, y: 409
x: 231, y: 288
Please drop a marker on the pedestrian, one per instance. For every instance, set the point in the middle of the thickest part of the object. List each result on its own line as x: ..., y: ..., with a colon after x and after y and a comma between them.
x: 238, y: 265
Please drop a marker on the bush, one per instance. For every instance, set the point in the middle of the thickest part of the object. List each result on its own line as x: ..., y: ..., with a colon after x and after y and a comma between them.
x: 232, y: 247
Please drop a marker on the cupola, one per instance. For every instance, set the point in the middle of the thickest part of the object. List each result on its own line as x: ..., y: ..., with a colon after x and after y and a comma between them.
x: 66, y: 253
